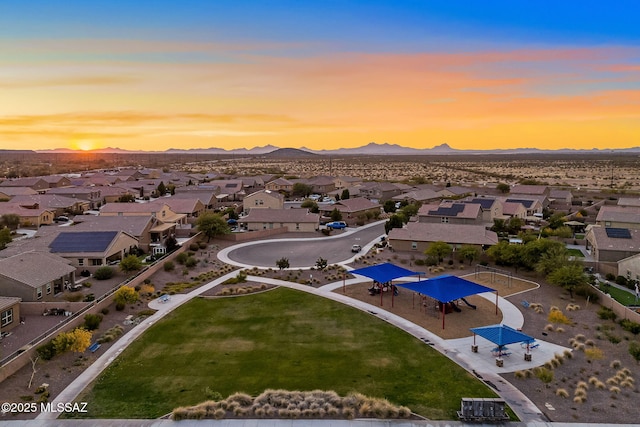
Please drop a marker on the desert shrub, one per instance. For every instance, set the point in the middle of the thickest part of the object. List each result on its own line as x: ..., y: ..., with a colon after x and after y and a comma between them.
x: 120, y: 306
x: 86, y: 284
x: 594, y: 353
x: 614, y: 389
x: 169, y: 266
x: 191, y: 262
x: 634, y: 350
x: 92, y: 321
x: 47, y: 351
x: 630, y: 326
x: 561, y: 392
x: 103, y: 273
x: 194, y: 246
x: 543, y: 374
x: 202, y: 245
x: 615, y: 364
x: 181, y: 258
x: 104, y: 311
x: 606, y: 313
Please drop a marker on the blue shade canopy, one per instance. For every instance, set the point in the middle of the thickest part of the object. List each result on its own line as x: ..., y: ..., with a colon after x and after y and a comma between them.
x: 501, y: 334
x: 92, y: 241
x: 446, y: 288
x: 384, y: 272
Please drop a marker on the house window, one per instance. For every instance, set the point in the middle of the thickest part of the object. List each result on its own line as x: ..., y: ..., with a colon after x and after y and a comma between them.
x: 297, y: 226
x: 96, y: 261
x: 48, y: 288
x: 164, y: 214
x: 80, y: 261
x: 6, y: 317
x: 444, y: 219
x: 607, y: 223
x: 264, y: 225
x: 39, y: 292
x: 414, y: 245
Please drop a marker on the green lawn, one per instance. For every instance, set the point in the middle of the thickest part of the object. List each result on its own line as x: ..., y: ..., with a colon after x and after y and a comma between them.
x: 575, y: 253
x: 622, y: 296
x: 282, y: 339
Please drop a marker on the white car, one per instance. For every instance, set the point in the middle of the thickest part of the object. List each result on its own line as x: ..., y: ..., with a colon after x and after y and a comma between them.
x: 356, y: 248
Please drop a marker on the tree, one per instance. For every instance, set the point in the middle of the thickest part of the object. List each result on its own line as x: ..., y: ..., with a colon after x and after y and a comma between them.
x: 568, y: 277
x: 321, y: 263
x: 300, y: 189
x: 311, y: 205
x: 11, y: 221
x: 345, y: 194
x: 336, y: 215
x: 395, y: 221
x: 130, y: 263
x: 438, y: 250
x: 125, y: 295
x: 77, y: 341
x: 503, y: 188
x: 126, y: 198
x: 5, y: 237
x: 212, y: 225
x: 469, y: 253
x: 171, y: 243
x: 556, y: 220
x: 554, y: 258
x: 282, y: 263
x: 162, y: 189
x: 410, y: 210
x: 515, y: 225
x: 389, y: 206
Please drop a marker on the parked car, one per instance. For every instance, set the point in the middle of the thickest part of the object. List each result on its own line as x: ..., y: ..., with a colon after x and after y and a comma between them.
x: 356, y: 248
x: 337, y: 225
x: 61, y: 219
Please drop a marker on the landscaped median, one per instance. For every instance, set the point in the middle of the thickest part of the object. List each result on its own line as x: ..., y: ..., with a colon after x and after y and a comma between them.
x: 279, y: 339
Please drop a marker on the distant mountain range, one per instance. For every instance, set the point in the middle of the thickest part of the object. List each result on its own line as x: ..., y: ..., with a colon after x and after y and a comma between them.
x: 371, y: 149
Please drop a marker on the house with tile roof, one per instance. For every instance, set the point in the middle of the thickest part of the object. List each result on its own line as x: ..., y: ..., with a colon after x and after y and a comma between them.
x: 57, y: 181
x: 490, y: 208
x: 379, y: 191
x: 156, y: 209
x: 7, y: 193
x: 35, y: 183
x: 294, y: 220
x: 92, y: 195
x: 418, y: 236
x: 623, y: 201
x: 20, y: 276
x: 143, y: 228
x: 619, y: 217
x: 513, y: 210
x: 191, y: 207
x: 208, y: 197
x: 422, y: 196
x: 61, y: 205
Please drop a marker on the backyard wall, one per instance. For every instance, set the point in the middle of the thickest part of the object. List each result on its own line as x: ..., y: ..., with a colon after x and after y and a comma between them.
x: 620, y: 310
x: 14, y: 362
x: 252, y: 235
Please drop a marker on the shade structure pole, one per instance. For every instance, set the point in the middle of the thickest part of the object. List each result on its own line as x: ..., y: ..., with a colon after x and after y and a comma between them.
x: 496, y: 303
x: 392, y: 292
x: 344, y: 288
x: 381, y: 292
x: 443, y: 314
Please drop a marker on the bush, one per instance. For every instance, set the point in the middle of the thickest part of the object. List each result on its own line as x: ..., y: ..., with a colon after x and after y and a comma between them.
x: 191, y: 262
x: 634, y: 350
x: 105, y: 311
x: 194, y: 246
x: 46, y: 351
x: 630, y: 326
x: 103, y: 273
x: 92, y: 321
x: 606, y: 313
x: 169, y: 266
x: 181, y: 258
x: 120, y: 306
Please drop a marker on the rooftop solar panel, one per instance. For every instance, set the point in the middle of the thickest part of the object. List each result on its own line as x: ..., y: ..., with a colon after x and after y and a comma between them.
x: 618, y: 233
x: 94, y: 241
x: 452, y: 210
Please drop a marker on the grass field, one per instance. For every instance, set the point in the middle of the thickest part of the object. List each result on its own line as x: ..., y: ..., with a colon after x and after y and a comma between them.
x: 281, y: 339
x: 575, y: 253
x: 622, y: 296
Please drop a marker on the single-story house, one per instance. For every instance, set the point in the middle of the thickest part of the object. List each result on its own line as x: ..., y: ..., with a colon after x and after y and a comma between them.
x: 417, y: 236
x: 143, y: 228
x: 293, y: 219
x: 619, y: 217
x: 86, y: 249
x: 279, y: 185
x: 34, y: 276
x: 30, y: 216
x: 263, y: 199
x: 609, y: 244
x: 352, y: 208
x: 451, y: 213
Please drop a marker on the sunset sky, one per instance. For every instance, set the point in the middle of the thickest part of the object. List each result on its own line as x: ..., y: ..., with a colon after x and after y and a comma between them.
x: 153, y: 75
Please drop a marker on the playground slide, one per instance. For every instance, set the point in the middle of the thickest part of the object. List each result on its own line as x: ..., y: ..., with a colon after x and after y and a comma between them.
x: 468, y: 303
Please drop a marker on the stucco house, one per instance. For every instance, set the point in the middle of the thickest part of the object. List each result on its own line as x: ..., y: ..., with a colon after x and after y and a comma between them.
x: 451, y: 213
x: 619, y: 217
x: 279, y: 185
x: 610, y: 244
x: 294, y: 220
x: 30, y: 216
x: 9, y: 313
x: 417, y: 236
x: 352, y: 208
x: 25, y: 276
x: 263, y: 199
x: 92, y: 249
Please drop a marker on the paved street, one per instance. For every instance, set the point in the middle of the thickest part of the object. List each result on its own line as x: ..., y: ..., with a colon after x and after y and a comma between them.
x: 303, y: 253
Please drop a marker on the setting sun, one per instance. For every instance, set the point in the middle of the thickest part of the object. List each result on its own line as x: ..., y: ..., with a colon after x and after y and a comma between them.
x: 84, y: 144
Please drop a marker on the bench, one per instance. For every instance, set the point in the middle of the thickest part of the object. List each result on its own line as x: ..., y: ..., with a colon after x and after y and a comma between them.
x: 164, y: 298
x: 93, y: 347
x: 525, y: 304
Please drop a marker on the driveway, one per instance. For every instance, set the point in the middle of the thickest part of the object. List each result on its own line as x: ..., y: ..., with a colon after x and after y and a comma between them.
x: 301, y: 252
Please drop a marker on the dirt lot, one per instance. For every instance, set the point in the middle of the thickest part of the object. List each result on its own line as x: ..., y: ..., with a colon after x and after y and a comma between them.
x: 615, y: 403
